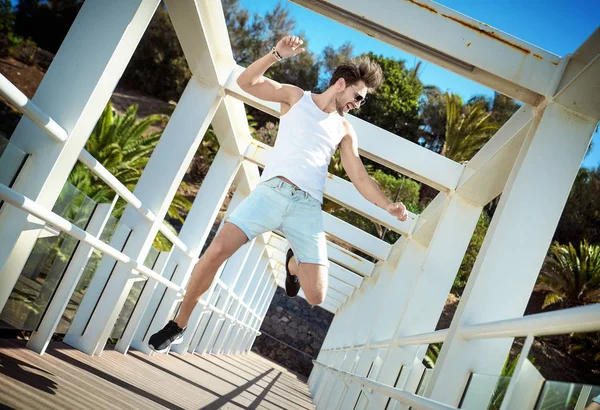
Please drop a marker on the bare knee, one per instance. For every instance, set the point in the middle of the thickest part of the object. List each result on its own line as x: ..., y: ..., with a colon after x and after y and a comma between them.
x: 313, y: 279
x: 316, y: 297
x: 217, y: 251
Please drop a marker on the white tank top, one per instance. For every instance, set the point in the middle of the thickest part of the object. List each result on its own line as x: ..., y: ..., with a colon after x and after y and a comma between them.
x: 306, y: 140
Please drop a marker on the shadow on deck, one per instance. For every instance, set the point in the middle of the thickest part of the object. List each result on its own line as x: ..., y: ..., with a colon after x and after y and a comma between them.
x: 66, y: 378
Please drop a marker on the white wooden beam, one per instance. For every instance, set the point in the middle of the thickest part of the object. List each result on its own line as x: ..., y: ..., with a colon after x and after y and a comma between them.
x: 582, y: 94
x: 349, y: 260
x: 358, y: 238
x: 406, y: 157
x: 429, y: 219
x: 202, y: 33
x: 459, y: 43
x: 486, y: 174
x: 584, y: 55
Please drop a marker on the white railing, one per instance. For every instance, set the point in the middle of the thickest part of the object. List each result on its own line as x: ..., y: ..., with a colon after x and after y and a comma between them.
x: 409, y: 399
x: 15, y: 199
x: 98, y: 169
x: 572, y: 320
x: 32, y: 111
x: 419, y: 339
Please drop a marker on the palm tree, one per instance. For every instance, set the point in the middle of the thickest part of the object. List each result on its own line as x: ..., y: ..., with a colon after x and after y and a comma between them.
x: 467, y: 128
x: 123, y: 145
x: 571, y: 276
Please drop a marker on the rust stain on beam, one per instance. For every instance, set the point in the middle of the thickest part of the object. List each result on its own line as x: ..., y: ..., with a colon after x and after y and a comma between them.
x: 425, y: 6
x: 490, y: 34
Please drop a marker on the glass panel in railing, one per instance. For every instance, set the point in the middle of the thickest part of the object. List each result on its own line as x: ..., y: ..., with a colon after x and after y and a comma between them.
x: 85, y: 278
x: 11, y: 162
x: 424, y: 381
x: 47, y: 263
x: 559, y: 395
x: 485, y: 392
x: 133, y: 296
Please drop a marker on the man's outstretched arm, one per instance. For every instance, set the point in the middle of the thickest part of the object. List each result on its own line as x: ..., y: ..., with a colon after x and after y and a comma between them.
x: 361, y: 179
x: 253, y: 82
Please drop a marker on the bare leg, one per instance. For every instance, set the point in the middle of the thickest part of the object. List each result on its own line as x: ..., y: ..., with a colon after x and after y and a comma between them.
x: 228, y: 240
x: 313, y: 280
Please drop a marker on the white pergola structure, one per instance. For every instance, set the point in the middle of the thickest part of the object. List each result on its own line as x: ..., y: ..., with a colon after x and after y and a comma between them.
x: 385, y: 312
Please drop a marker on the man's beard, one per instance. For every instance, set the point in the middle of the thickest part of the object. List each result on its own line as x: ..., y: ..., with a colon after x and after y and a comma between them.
x: 339, y: 106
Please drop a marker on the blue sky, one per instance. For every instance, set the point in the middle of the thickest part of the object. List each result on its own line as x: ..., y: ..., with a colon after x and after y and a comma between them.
x: 558, y: 27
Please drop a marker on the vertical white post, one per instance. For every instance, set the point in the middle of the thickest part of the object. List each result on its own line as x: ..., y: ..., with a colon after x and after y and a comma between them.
x: 95, y: 289
x: 241, y: 289
x: 41, y: 337
x: 255, y: 306
x: 268, y: 296
x: 514, y: 248
x: 229, y: 277
x: 74, y: 91
x: 258, y: 280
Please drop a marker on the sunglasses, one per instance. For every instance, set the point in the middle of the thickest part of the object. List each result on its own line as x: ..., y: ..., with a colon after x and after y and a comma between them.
x: 359, y: 99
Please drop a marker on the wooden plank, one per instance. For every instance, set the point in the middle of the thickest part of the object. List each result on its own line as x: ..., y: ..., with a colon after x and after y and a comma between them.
x: 67, y: 378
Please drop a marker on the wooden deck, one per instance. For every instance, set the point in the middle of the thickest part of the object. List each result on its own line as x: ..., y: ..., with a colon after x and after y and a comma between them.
x: 65, y: 378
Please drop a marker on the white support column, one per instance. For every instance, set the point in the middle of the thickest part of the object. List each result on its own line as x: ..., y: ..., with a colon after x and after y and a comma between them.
x: 155, y: 189
x: 194, y: 233
x: 229, y: 277
x: 241, y: 289
x: 74, y: 91
x: 257, y: 282
x: 260, y: 306
x: 41, y: 337
x: 95, y: 289
x: 199, y: 320
x: 157, y: 296
x: 514, y: 247
x: 268, y: 297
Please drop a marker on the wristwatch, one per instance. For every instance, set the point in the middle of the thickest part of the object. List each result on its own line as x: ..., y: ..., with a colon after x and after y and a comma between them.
x: 276, y: 54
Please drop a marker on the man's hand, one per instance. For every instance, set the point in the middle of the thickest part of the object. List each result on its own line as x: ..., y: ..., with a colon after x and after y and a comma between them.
x: 398, y: 210
x: 289, y: 46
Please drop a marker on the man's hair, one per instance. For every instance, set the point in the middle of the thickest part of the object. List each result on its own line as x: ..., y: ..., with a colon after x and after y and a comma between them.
x: 361, y: 68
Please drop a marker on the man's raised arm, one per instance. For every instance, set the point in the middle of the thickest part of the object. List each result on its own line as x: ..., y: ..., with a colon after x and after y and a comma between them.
x: 253, y: 82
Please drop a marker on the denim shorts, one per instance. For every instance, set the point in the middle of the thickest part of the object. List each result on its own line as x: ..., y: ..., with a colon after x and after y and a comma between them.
x: 276, y: 205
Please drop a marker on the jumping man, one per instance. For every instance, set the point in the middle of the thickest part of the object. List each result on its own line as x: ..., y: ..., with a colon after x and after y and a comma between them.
x: 311, y: 127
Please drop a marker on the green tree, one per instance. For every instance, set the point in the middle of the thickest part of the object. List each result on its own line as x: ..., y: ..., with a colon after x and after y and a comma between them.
x: 46, y: 22
x: 158, y: 66
x: 394, y: 106
x: 581, y: 216
x: 432, y: 115
x: 571, y: 276
x: 7, y: 17
x: 330, y: 59
x: 471, y: 254
x: 123, y: 145
x: 467, y: 128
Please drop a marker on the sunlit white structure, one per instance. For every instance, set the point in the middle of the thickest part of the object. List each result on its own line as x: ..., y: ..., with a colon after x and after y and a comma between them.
x: 385, y: 312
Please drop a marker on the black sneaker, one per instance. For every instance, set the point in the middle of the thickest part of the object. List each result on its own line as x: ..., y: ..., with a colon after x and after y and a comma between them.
x: 169, y: 335
x: 292, y: 284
